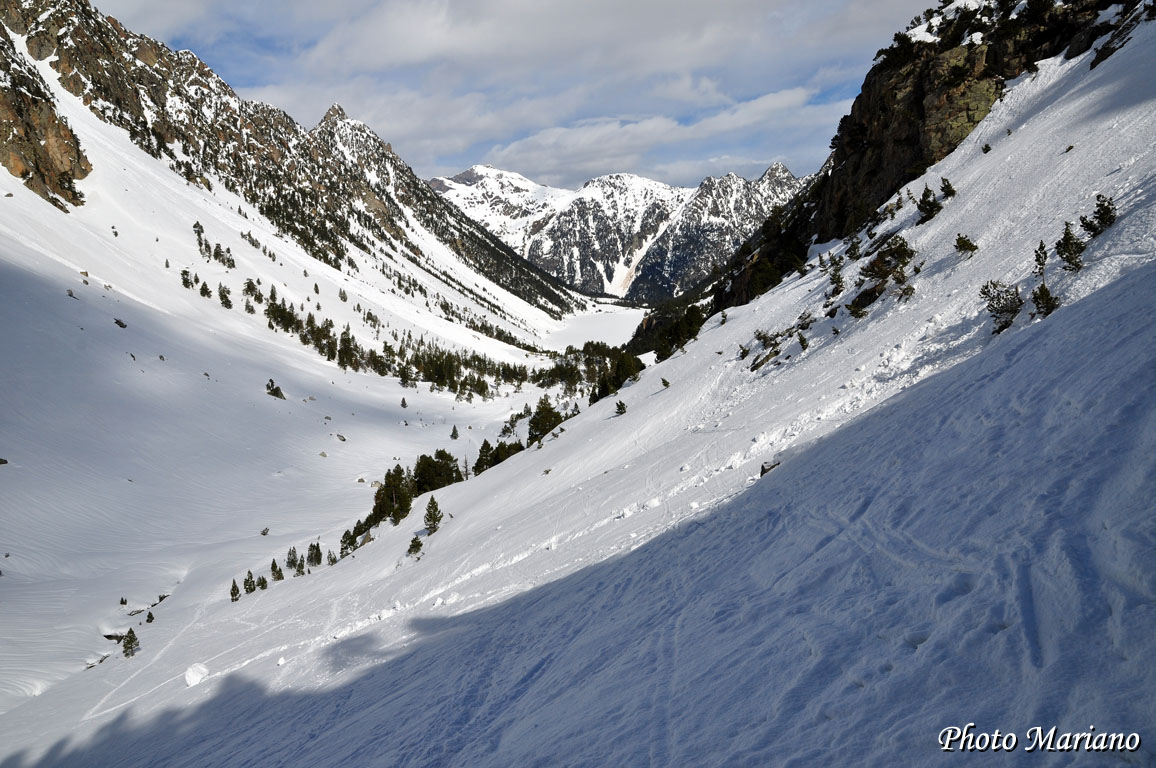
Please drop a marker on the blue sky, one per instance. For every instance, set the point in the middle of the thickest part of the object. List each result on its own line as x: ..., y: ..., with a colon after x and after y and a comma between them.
x: 558, y: 91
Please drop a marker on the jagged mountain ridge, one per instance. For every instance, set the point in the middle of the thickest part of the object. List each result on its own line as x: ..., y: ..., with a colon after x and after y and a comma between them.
x: 338, y: 190
x: 621, y: 234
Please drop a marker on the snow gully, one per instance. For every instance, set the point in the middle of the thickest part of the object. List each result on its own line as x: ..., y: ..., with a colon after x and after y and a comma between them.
x: 1037, y: 739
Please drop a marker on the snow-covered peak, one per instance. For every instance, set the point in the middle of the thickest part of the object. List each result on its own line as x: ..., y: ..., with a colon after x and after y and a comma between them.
x: 619, y: 228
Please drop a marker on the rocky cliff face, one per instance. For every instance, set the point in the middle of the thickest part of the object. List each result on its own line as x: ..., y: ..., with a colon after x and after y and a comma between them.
x: 335, y: 189
x: 923, y: 96
x: 621, y: 234
x: 36, y: 144
x: 929, y: 89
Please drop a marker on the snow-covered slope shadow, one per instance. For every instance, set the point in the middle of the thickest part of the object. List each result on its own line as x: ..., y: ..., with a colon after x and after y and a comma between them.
x: 954, y: 555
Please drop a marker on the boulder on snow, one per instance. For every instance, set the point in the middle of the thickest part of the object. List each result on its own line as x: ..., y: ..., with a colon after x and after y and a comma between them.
x: 195, y: 674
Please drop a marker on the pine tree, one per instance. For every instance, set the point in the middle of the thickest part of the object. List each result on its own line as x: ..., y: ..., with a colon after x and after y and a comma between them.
x: 454, y: 434
x: 206, y: 291
x: 262, y: 583
x: 130, y: 644
x: 485, y: 458
x: 404, y: 404
x: 1003, y: 302
x: 276, y: 572
x: 1104, y: 216
x: 234, y: 592
x: 1069, y: 248
x: 543, y: 420
x: 946, y: 189
x: 928, y: 206
x: 1044, y: 301
x: 250, y: 584
x: 291, y: 558
x: 1041, y: 258
x: 332, y: 558
x: 300, y: 567
x: 665, y: 383
x: 619, y: 408
x: 963, y: 244
x: 414, y: 546
x: 854, y: 249
x: 150, y: 618
x: 433, y: 516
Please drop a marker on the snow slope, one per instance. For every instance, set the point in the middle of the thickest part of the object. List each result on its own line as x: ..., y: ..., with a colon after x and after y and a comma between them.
x: 959, y: 528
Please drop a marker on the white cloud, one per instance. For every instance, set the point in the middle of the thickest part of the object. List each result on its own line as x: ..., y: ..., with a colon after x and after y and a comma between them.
x: 555, y: 89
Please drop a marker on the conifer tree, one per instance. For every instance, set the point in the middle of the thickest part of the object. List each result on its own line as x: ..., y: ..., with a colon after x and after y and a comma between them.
x: 291, y: 558
x: 946, y: 189
x: 332, y: 558
x: 485, y: 458
x: 262, y: 583
x: 206, y: 291
x: 1102, y: 218
x: 150, y: 618
x: 543, y: 420
x: 414, y: 546
x: 928, y: 206
x: 300, y: 567
x: 234, y: 592
x: 854, y: 249
x: 130, y: 644
x: 404, y: 404
x: 276, y: 572
x: 1069, y: 248
x: 433, y: 516
x: 250, y: 583
x: 1043, y: 299
x: 619, y: 408
x: 1003, y: 302
x: 964, y: 245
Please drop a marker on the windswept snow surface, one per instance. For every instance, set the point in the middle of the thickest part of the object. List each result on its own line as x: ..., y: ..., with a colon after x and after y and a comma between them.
x: 960, y: 527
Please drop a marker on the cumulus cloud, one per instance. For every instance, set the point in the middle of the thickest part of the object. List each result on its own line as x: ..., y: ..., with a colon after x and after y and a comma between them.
x: 558, y: 91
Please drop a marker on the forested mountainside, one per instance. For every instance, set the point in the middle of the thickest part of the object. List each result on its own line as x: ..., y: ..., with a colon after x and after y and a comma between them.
x: 338, y: 190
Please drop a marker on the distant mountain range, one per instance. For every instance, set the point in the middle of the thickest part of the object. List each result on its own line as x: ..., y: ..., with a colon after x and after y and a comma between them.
x: 621, y: 234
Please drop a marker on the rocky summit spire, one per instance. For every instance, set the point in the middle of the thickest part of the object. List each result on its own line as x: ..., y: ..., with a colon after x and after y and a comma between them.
x: 335, y: 113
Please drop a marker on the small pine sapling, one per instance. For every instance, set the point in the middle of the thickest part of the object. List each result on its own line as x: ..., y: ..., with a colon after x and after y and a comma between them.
x: 1103, y: 217
x: 964, y: 245
x: 234, y: 592
x: 414, y: 546
x: 1043, y: 299
x: 150, y: 618
x: 665, y: 384
x: 262, y: 582
x: 332, y: 558
x: 130, y: 644
x: 454, y: 434
x: 1070, y: 248
x: 619, y: 408
x: 250, y: 583
x: 928, y: 206
x: 854, y: 249
x: 1003, y: 302
x: 946, y: 189
x: 433, y: 516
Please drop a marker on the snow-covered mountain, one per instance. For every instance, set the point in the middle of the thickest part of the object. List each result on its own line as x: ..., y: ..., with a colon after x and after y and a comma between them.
x: 621, y: 234
x: 811, y: 535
